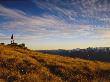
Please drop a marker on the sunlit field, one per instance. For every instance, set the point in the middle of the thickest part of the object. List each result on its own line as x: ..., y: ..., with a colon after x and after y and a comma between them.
x: 23, y: 65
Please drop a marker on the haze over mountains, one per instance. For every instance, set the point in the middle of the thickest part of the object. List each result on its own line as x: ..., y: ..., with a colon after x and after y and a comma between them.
x: 98, y: 53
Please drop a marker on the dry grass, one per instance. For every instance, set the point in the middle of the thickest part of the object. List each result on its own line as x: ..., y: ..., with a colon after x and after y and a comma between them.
x: 22, y: 65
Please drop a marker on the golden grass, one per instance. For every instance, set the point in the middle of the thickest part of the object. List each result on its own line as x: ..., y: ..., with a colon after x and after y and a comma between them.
x: 23, y: 65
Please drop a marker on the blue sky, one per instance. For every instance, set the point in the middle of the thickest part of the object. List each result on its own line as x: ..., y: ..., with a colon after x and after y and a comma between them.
x: 54, y: 24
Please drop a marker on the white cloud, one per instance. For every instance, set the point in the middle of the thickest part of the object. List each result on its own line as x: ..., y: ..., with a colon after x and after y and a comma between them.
x: 98, y: 9
x: 103, y: 32
x: 48, y: 25
x: 12, y: 13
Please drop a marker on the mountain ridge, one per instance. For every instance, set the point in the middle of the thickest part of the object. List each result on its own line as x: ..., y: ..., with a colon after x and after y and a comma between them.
x: 24, y: 65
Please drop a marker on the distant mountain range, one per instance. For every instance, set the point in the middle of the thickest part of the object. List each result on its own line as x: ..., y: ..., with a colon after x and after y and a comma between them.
x: 98, y: 53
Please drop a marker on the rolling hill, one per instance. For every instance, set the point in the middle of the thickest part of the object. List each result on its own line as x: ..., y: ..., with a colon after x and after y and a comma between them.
x: 23, y: 65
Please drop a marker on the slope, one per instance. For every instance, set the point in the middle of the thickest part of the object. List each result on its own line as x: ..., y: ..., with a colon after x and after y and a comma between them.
x: 24, y: 65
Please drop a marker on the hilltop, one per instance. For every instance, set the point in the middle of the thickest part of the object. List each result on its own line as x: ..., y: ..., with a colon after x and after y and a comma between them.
x: 23, y: 65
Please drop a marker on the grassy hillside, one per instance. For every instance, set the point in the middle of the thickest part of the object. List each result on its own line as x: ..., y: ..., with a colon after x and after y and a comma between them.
x: 23, y: 65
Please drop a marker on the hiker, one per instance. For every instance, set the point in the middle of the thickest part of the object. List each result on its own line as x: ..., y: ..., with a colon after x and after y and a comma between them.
x: 12, y: 39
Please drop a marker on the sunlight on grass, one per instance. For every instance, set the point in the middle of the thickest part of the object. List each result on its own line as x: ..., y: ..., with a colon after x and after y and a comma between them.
x: 23, y: 65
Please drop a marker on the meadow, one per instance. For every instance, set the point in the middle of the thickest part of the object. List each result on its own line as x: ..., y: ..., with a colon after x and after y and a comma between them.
x: 24, y: 65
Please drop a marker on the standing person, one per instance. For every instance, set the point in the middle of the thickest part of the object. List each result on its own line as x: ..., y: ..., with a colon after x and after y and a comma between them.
x: 12, y: 39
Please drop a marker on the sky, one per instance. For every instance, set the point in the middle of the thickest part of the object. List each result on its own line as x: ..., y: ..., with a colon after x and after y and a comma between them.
x: 56, y: 24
